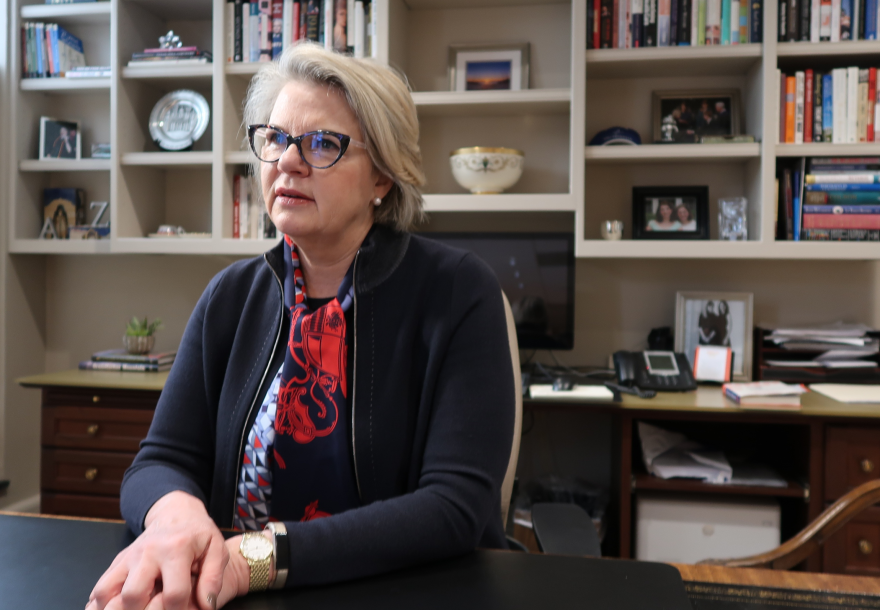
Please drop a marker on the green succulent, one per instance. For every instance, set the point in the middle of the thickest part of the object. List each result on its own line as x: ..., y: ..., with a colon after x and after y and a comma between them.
x: 142, y: 328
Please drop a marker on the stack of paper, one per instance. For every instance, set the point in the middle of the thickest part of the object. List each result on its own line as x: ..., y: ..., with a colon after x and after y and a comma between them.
x: 849, y: 393
x: 842, y: 345
x: 671, y: 455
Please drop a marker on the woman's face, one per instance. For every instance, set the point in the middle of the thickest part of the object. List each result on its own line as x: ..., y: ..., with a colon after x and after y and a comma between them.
x: 665, y: 212
x: 334, y: 204
x: 683, y: 214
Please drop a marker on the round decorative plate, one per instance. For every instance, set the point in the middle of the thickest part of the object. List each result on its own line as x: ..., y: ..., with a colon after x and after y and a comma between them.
x: 179, y: 119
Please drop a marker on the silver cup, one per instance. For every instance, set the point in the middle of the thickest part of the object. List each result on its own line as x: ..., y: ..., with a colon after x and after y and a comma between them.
x: 611, y: 229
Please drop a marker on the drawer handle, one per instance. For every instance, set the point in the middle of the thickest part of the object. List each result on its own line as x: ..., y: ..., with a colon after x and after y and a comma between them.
x: 92, y: 430
x: 96, y: 398
x: 91, y: 474
x: 865, y: 547
x: 867, y: 466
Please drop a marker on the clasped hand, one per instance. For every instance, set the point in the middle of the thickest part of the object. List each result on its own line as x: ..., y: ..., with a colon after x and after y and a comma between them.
x: 180, y: 562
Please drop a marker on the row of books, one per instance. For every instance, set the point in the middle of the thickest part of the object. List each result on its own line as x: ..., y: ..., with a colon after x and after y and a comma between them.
x: 840, y: 106
x: 178, y: 56
x: 624, y: 24
x: 249, y: 218
x: 829, y: 199
x: 121, y: 360
x: 47, y: 49
x: 828, y: 20
x: 260, y: 30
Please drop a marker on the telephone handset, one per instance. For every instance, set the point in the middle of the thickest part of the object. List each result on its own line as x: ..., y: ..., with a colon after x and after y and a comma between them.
x: 654, y: 370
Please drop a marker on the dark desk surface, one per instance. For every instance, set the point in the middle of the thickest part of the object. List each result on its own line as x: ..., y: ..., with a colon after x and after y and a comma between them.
x: 51, y: 563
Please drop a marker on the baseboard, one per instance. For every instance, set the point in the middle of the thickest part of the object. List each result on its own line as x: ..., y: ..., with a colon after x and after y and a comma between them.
x: 27, y: 505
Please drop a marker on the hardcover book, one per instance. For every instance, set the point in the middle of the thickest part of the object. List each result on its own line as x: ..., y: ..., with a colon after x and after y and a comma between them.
x: 121, y: 355
x: 64, y: 207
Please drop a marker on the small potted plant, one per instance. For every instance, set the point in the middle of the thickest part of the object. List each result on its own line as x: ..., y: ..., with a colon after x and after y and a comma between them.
x: 138, y: 338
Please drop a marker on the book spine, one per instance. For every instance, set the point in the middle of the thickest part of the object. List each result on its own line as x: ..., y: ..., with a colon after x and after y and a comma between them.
x: 841, y: 209
x: 808, y: 106
x: 589, y: 25
x: 244, y: 222
x: 781, y: 80
x: 731, y: 394
x: 327, y: 17
x: 254, y: 37
x: 756, y: 22
x: 828, y: 107
x: 835, y: 20
x: 797, y: 214
x: 287, y: 33
x: 694, y: 12
x: 638, y: 24
x: 684, y: 23
x: 842, y: 221
x: 359, y: 23
x: 673, y: 22
x: 799, y: 107
x: 616, y: 23
x: 852, y: 105
x: 844, y: 186
x: 824, y: 20
x: 806, y: 16
x: 713, y: 22
x: 843, y: 178
x: 597, y: 20
x: 859, y: 9
x: 236, y: 208
x: 836, y: 161
x: 605, y: 24
x: 788, y: 189
x: 877, y: 99
x: 841, y: 235
x: 790, y: 94
x: 277, y: 28
x: 871, y: 20
x: 734, y: 21
x: 862, y: 120
x: 782, y: 21
x: 838, y: 100
x: 627, y: 19
x: 815, y: 9
x: 664, y: 8
x: 245, y: 31
x: 793, y: 20
x: 118, y: 366
x: 725, y: 22
x: 817, y: 107
x: 846, y: 16
x: 871, y: 104
x: 237, y: 25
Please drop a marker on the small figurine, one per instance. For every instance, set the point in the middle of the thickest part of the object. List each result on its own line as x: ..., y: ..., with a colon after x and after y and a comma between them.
x: 170, y: 41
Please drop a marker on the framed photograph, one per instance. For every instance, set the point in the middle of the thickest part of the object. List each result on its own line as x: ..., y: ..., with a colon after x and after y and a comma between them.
x: 716, y: 318
x: 670, y: 212
x: 487, y: 67
x: 684, y: 117
x: 59, y: 139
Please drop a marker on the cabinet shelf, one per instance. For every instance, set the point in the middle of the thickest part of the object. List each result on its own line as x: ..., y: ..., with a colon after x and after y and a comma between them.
x: 672, y: 61
x: 673, y: 153
x: 492, y: 103
x: 65, y: 165
x: 650, y: 482
x: 86, y: 12
x: 60, y: 246
x: 238, y: 157
x: 169, y: 73
x: 65, y: 85
x: 247, y: 68
x: 715, y: 249
x: 505, y: 202
x: 168, y: 160
x: 827, y: 150
x: 826, y: 49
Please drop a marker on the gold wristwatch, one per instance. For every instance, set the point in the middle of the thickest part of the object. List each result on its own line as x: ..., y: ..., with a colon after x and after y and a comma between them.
x: 257, y: 550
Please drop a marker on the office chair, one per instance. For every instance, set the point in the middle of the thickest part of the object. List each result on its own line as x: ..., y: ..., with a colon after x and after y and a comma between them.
x: 565, y: 529
x: 507, y: 485
x: 792, y: 552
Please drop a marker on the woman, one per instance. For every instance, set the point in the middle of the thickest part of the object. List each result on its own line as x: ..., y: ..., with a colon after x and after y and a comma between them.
x: 686, y: 222
x: 353, y: 386
x: 665, y: 222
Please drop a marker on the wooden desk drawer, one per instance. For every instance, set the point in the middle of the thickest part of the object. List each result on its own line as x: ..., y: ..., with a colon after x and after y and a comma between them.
x: 79, y: 505
x: 99, y: 397
x: 855, y: 549
x: 852, y: 457
x: 95, y: 428
x: 89, y: 472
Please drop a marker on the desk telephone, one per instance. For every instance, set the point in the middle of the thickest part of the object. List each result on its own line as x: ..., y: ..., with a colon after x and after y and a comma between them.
x: 664, y: 371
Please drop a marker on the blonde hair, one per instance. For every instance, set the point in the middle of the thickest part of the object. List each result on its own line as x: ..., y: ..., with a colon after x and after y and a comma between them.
x: 379, y: 99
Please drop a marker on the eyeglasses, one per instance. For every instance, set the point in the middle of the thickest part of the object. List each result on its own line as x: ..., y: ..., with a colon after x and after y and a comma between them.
x: 320, y: 149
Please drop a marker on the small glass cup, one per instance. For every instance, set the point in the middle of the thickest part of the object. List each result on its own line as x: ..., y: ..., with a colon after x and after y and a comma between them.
x: 733, y: 224
x: 611, y: 229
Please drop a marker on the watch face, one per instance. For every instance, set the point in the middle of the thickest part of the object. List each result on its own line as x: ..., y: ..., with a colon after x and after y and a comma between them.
x: 256, y: 547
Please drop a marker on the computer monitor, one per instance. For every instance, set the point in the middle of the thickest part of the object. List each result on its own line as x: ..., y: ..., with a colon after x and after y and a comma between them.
x: 536, y: 272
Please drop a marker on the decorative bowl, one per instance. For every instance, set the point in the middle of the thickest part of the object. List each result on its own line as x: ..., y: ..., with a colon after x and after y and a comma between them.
x: 138, y: 345
x: 484, y: 170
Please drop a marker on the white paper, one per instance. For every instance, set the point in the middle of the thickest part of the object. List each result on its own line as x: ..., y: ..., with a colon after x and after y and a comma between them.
x: 848, y: 393
x: 836, y: 329
x: 670, y: 455
x: 712, y: 363
x: 578, y: 392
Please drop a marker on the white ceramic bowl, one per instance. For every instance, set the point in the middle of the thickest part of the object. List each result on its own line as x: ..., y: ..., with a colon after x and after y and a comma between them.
x: 484, y: 170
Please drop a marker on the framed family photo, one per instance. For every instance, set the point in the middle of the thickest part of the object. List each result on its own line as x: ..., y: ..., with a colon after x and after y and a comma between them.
x: 59, y: 139
x: 684, y: 117
x: 670, y: 212
x: 488, y: 67
x: 722, y: 319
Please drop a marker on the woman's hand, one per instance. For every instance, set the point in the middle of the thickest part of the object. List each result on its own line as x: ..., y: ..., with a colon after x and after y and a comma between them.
x: 180, y: 562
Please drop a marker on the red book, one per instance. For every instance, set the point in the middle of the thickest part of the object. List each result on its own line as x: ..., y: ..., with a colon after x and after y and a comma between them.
x: 790, y: 93
x: 808, y: 106
x: 294, y: 25
x: 842, y: 221
x: 872, y: 101
x: 236, y: 207
x: 596, y: 12
x: 615, y: 24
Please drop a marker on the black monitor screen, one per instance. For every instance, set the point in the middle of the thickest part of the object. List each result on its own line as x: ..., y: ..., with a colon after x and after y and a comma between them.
x: 536, y: 272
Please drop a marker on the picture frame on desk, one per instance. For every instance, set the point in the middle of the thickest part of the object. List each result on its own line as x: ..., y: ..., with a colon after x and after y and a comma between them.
x: 59, y: 139
x: 685, y: 116
x: 489, y: 67
x: 716, y: 318
x: 670, y: 212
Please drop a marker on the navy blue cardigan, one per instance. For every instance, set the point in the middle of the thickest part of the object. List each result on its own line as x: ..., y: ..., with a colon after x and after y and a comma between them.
x: 432, y: 407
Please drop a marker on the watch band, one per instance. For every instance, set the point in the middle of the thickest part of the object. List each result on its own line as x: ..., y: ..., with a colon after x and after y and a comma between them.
x: 282, y: 553
x: 259, y: 559
x: 259, y: 575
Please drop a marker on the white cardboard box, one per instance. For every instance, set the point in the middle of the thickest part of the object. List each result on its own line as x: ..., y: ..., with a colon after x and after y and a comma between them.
x: 688, y: 529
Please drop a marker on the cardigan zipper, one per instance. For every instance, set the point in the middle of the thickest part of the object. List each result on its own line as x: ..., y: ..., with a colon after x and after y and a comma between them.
x: 354, y: 375
x: 257, y: 395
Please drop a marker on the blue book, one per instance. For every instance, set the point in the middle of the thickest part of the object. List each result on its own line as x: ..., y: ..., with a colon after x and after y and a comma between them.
x: 65, y: 37
x: 796, y: 206
x: 254, y: 29
x: 846, y: 18
x: 725, y: 21
x: 38, y: 42
x: 842, y: 209
x: 827, y: 107
x: 830, y: 187
x: 756, y: 34
x: 871, y: 20
x: 277, y: 27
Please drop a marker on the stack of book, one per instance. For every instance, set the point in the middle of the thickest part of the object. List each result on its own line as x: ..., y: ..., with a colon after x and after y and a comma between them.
x: 121, y: 360
x: 625, y: 24
x: 260, y: 30
x: 765, y: 394
x: 840, y: 106
x: 249, y: 217
x: 176, y: 56
x: 828, y: 20
x: 832, y: 199
x: 48, y: 50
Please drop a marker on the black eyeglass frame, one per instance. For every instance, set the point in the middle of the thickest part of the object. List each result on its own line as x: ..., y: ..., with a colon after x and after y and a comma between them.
x: 344, y: 142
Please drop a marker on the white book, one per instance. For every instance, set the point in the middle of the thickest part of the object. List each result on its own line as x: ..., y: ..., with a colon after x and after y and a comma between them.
x: 835, y: 20
x: 664, y: 7
x: 852, y: 104
x: 254, y: 32
x: 374, y: 29
x: 799, y: 108
x: 230, y: 32
x: 628, y: 30
x: 244, y: 223
x: 854, y: 21
x: 328, y: 24
x: 360, y: 32
x: 838, y: 123
x: 815, y: 9
x: 349, y: 22
x: 734, y: 21
x: 287, y: 24
x: 713, y: 22
x: 245, y: 31
x: 695, y: 6
x: 621, y: 25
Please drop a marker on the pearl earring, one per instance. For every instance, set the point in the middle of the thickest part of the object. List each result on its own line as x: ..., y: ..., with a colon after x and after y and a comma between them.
x: 377, y: 201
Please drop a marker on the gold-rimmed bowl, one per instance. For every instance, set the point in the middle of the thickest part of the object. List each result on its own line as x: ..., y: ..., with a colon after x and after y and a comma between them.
x: 486, y: 170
